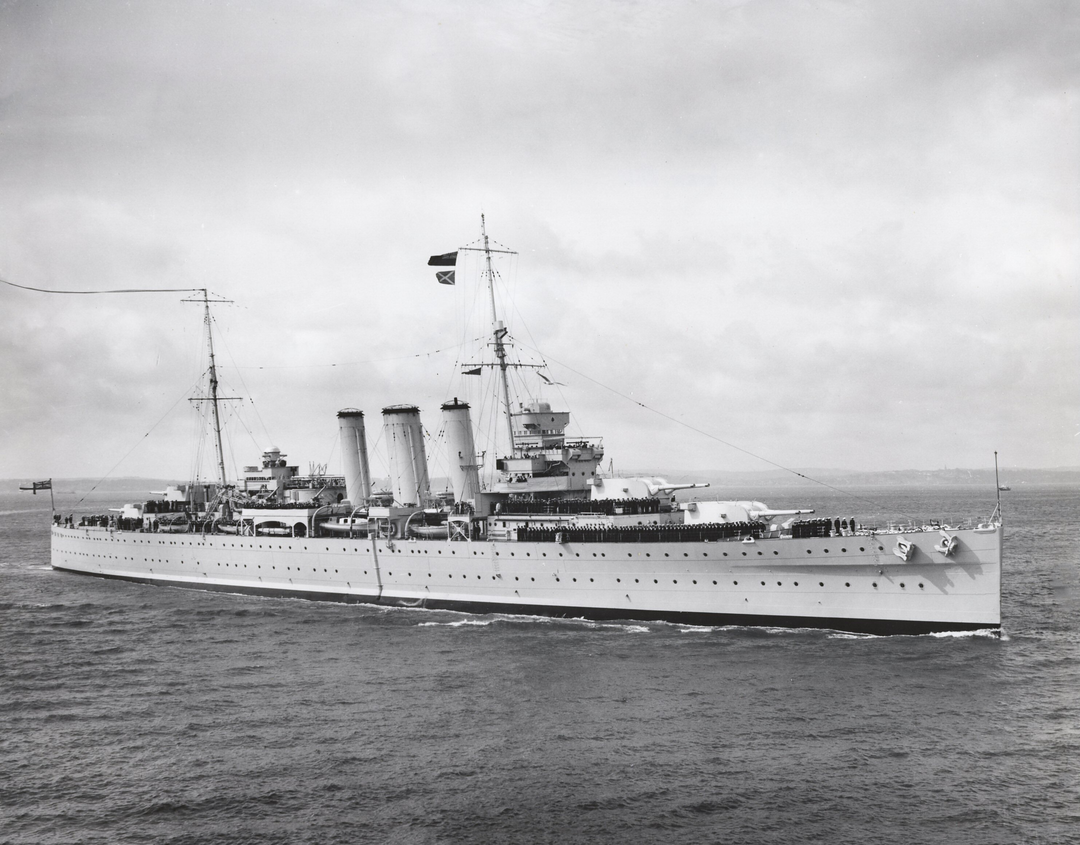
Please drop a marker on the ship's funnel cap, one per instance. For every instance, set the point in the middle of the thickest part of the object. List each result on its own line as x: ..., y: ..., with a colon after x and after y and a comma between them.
x: 400, y: 409
x: 455, y: 405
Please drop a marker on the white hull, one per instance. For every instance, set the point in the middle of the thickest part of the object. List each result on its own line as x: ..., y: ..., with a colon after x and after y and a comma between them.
x: 853, y: 582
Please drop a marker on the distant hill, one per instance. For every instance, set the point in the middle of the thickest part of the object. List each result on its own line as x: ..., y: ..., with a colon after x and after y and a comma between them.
x: 884, y: 478
x: 142, y: 486
x: 719, y: 478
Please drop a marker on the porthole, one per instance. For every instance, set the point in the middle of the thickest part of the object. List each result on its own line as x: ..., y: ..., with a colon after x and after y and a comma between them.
x: 779, y: 584
x: 901, y: 585
x: 847, y: 584
x: 762, y: 583
x: 920, y: 586
x: 874, y: 585
x: 862, y: 548
x: 821, y: 583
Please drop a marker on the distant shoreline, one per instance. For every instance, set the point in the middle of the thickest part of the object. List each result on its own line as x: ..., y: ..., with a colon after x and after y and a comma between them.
x: 1014, y: 478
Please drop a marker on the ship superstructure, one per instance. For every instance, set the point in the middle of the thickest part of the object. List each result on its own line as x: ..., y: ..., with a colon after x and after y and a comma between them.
x: 549, y: 535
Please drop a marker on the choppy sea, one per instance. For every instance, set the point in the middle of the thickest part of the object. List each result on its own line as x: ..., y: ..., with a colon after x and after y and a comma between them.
x: 133, y: 714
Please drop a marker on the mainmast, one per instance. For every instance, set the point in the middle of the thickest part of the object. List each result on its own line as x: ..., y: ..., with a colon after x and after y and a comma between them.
x: 214, y: 392
x: 499, y: 331
x: 214, y: 399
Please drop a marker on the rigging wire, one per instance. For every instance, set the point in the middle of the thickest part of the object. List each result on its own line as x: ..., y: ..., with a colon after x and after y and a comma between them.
x: 117, y: 291
x: 543, y: 357
x: 714, y: 437
x: 354, y: 363
x: 136, y: 446
x: 245, y: 392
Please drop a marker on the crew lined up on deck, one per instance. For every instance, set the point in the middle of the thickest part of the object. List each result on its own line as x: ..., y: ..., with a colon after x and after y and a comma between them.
x: 679, y: 533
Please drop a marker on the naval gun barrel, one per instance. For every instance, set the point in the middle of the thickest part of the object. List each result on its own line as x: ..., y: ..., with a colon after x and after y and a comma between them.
x: 671, y: 488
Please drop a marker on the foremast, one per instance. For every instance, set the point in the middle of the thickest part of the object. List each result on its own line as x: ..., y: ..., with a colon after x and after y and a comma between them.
x: 540, y: 460
x: 498, y: 329
x: 499, y: 333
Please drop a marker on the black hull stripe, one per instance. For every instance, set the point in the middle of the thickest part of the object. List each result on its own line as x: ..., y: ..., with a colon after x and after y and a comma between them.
x: 598, y: 614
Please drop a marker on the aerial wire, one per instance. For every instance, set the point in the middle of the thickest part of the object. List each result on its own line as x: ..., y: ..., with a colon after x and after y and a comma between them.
x: 116, y: 290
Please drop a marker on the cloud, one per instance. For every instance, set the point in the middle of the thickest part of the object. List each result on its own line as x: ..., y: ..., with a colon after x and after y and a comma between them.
x: 832, y: 233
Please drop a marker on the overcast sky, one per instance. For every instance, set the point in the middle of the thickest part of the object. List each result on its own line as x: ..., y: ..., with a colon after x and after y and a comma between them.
x: 833, y: 234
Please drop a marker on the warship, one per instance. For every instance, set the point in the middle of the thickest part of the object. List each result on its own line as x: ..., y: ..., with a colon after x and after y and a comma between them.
x: 549, y: 534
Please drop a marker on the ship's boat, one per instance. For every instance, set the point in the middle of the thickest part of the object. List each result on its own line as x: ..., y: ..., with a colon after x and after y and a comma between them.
x: 548, y: 533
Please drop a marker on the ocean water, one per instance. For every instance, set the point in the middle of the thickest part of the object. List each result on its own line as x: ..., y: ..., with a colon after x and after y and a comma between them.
x: 131, y: 713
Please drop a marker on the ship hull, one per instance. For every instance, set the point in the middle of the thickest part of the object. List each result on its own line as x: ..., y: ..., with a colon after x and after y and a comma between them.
x: 854, y: 583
